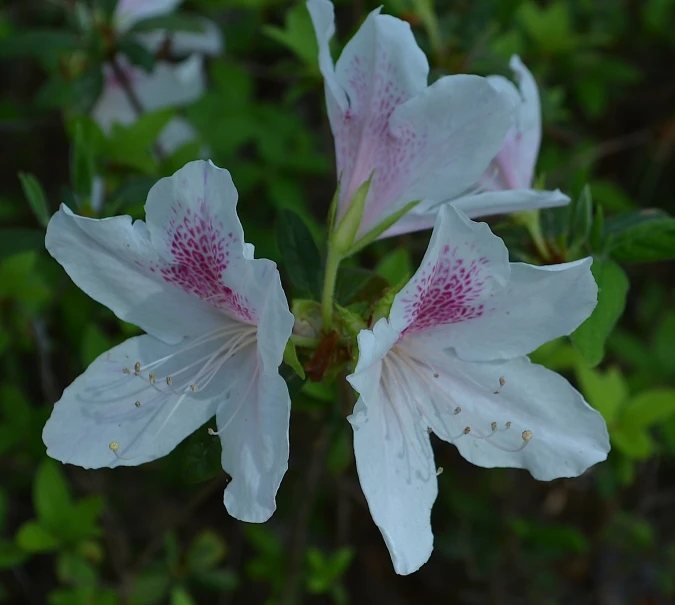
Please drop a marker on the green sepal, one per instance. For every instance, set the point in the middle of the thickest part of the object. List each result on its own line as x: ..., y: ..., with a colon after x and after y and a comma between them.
x: 383, y: 306
x: 343, y: 238
x: 352, y: 322
x: 291, y: 359
x: 374, y: 233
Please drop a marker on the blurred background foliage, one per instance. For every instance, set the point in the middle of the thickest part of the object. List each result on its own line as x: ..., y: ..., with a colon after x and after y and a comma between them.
x: 159, y: 533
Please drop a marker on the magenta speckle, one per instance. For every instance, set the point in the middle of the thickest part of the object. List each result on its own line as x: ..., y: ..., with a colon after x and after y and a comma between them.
x: 200, y: 247
x: 446, y: 291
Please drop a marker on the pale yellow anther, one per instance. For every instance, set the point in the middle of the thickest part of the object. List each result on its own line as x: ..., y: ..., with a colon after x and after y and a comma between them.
x: 467, y: 430
x: 457, y: 410
x: 527, y: 435
x: 152, y: 378
x: 493, y: 426
x: 193, y: 388
x: 137, y: 367
x: 502, y: 381
x: 138, y: 404
x: 508, y: 424
x: 210, y: 431
x: 169, y: 380
x: 114, y: 446
x: 439, y: 470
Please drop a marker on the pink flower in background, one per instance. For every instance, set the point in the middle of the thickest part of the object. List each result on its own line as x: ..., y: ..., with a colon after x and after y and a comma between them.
x: 217, y: 323
x: 506, y: 185
x: 451, y: 359
x: 421, y: 143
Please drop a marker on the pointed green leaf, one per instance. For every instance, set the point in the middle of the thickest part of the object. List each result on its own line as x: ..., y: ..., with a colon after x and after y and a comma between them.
x: 649, y: 408
x: 374, y: 233
x: 291, y: 359
x: 36, y: 197
x: 343, y: 238
x: 300, y: 256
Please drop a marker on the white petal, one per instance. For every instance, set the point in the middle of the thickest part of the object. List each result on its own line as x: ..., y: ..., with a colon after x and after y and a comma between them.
x: 567, y: 435
x: 114, y: 262
x: 395, y: 466
x: 99, y: 407
x: 181, y: 43
x: 438, y: 145
x: 475, y: 205
x: 177, y: 132
x: 129, y: 12
x: 168, y: 85
x: 322, y: 14
x: 253, y: 426
x: 539, y: 304
x: 528, y: 117
x: 502, y: 202
x: 254, y: 421
x: 463, y: 270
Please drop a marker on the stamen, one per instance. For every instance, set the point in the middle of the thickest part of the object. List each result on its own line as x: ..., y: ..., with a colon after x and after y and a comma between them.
x: 114, y: 446
x: 152, y: 378
x: 527, y: 435
x: 439, y: 471
x: 138, y: 404
x: 137, y: 368
x: 493, y: 426
x: 457, y: 410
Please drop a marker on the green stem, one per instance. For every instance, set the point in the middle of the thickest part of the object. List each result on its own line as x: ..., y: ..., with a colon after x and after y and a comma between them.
x: 304, y: 341
x: 332, y: 264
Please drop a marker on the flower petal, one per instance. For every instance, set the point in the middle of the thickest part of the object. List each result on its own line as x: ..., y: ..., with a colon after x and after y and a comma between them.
x: 528, y: 119
x: 110, y: 404
x: 177, y: 133
x: 168, y: 85
x: 480, y: 204
x: 254, y: 421
x: 438, y: 145
x: 194, y: 227
x: 394, y: 459
x: 502, y: 400
x: 114, y: 262
x: 539, y: 304
x: 129, y: 12
x: 464, y: 269
x: 209, y: 41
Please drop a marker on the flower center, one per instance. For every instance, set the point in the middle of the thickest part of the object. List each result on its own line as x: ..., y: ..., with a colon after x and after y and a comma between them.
x: 187, y: 371
x: 408, y: 370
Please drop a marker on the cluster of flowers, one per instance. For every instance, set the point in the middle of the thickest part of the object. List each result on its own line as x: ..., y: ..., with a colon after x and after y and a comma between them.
x: 450, y: 357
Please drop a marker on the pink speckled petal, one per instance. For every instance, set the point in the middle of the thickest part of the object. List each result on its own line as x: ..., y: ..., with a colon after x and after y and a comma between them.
x: 539, y: 304
x: 114, y: 262
x: 438, y: 145
x: 568, y: 436
x: 463, y: 271
x: 194, y: 227
x: 130, y: 12
x: 394, y: 459
x: 100, y: 407
x: 379, y: 68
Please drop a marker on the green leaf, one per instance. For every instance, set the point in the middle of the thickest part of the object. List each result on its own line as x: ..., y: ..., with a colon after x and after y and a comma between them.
x: 298, y: 35
x: 300, y: 255
x: 597, y: 228
x: 200, y: 459
x: 85, y: 518
x: 10, y: 554
x: 642, y: 237
x: 82, y: 162
x: 206, y: 552
x: 291, y: 359
x: 173, y: 22
x: 635, y: 443
x: 36, y: 197
x: 180, y: 596
x: 220, y: 580
x: 591, y: 335
x: 52, y: 497
x: 71, y: 568
x: 150, y: 587
x: 355, y: 284
x: 32, y: 537
x: 582, y: 217
x: 340, y: 451
x: 606, y: 392
x: 394, y: 267
x: 136, y: 53
x: 649, y: 408
x: 38, y: 43
x: 16, y: 240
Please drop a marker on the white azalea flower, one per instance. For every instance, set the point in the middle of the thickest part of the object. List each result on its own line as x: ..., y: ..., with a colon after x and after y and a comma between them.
x: 506, y: 185
x: 451, y: 358
x: 217, y: 322
x: 169, y: 84
x: 421, y: 143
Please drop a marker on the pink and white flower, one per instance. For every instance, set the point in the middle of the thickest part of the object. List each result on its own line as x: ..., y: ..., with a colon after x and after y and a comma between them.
x: 506, y: 185
x: 217, y: 323
x: 420, y: 143
x: 451, y: 358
